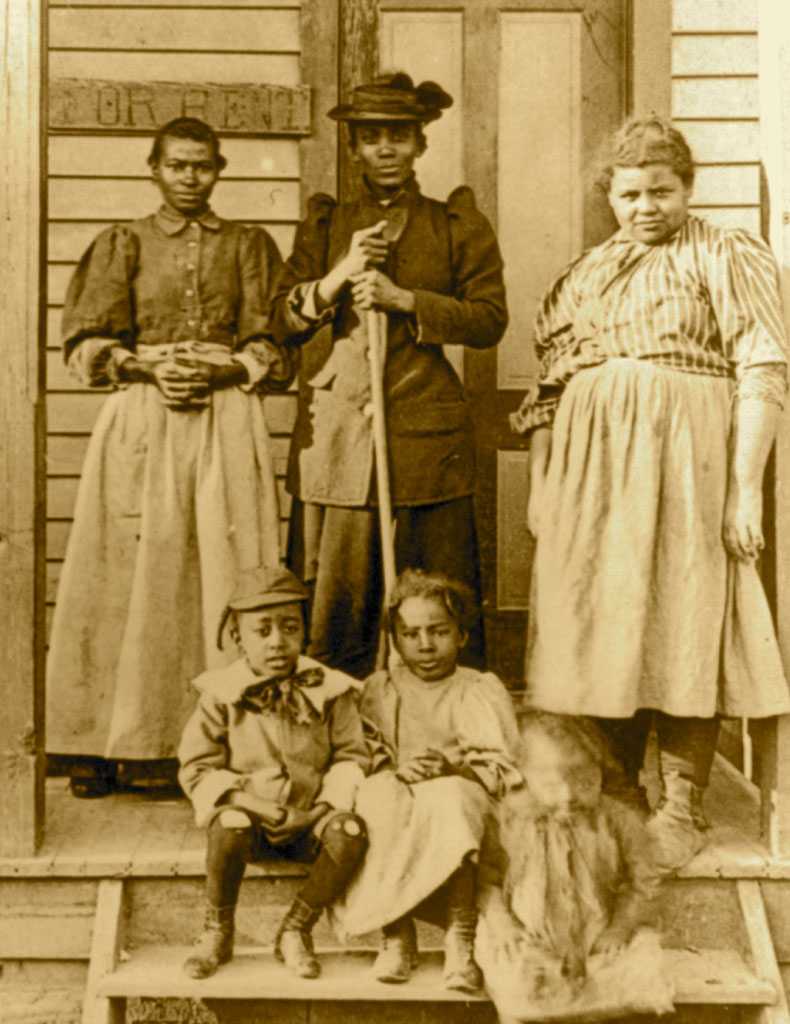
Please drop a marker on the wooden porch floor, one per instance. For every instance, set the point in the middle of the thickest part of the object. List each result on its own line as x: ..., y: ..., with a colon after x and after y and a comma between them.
x: 129, y: 835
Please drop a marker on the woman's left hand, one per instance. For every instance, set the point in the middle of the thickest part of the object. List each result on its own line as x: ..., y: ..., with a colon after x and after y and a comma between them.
x: 210, y: 376
x: 743, y: 522
x: 373, y: 290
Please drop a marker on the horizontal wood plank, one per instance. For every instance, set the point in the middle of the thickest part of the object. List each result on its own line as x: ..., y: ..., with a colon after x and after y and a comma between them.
x: 734, y: 186
x: 714, y: 15
x: 68, y: 240
x: 731, y: 98
x: 58, y: 277
x: 731, y: 217
x: 91, y: 199
x: 714, y: 55
x: 722, y: 141
x: 260, y: 5
x: 125, y: 157
x: 276, y: 69
x: 139, y: 29
x: 46, y: 920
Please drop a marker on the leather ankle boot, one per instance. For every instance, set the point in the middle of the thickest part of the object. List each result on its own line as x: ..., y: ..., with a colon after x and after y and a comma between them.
x: 294, y: 942
x: 215, y: 945
x: 397, y: 957
x: 460, y: 970
x: 678, y: 826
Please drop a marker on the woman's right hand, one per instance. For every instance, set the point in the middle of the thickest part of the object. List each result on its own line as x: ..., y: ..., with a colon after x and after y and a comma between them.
x: 367, y: 249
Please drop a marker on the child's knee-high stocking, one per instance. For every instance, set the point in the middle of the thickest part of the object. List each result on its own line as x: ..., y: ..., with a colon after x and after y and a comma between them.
x: 627, y: 740
x: 228, y: 852
x: 343, y: 844
x: 460, y: 970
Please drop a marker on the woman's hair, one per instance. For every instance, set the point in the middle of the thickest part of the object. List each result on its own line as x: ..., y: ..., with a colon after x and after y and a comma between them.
x: 186, y: 128
x: 646, y: 140
x: 354, y: 126
x: 568, y: 732
x: 453, y: 595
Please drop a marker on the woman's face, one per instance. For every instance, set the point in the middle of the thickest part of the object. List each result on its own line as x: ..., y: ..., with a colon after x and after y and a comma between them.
x: 428, y: 638
x: 186, y: 174
x: 650, y: 202
x: 387, y: 152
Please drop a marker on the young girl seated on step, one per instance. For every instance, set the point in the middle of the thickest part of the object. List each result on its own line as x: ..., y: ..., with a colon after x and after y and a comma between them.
x: 441, y: 738
x: 567, y: 884
x: 271, y: 759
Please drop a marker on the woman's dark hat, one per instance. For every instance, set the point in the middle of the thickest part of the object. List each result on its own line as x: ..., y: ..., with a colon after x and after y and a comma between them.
x: 394, y: 97
x: 262, y: 587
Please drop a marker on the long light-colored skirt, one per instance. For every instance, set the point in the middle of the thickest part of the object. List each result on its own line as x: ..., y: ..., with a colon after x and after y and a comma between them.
x: 171, y: 504
x: 637, y: 604
x: 418, y: 836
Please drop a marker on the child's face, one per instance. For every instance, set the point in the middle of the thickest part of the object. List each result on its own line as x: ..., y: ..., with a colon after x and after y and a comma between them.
x: 561, y: 779
x: 272, y: 639
x: 428, y: 638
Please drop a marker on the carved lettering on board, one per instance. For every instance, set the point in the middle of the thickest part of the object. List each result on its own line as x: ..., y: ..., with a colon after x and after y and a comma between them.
x: 89, y: 104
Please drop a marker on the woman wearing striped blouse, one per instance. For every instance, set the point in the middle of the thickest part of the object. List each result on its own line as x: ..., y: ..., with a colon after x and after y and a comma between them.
x: 663, y: 373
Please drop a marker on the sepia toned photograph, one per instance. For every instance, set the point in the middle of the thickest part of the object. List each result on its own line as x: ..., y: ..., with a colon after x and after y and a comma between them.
x: 394, y: 511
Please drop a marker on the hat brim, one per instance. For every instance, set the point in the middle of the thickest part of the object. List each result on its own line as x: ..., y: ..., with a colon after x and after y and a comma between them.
x: 345, y: 112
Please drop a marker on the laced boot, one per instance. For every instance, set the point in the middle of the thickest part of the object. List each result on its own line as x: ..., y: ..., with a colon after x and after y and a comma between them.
x: 460, y: 970
x: 215, y: 945
x: 678, y: 825
x: 294, y: 942
x: 397, y: 957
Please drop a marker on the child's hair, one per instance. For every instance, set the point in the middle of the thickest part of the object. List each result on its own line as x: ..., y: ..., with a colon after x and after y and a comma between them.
x: 454, y: 596
x: 568, y: 732
x: 186, y: 128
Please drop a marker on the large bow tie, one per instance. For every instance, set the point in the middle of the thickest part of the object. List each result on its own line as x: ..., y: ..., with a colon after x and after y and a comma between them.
x: 269, y: 695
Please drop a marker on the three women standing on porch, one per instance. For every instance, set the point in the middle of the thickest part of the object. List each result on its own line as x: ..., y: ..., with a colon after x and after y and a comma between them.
x: 663, y: 370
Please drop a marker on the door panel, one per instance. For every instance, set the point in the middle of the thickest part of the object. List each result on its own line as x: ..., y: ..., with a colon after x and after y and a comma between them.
x: 537, y: 88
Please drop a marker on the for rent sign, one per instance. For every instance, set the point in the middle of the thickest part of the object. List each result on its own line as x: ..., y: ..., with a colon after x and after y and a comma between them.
x: 90, y: 104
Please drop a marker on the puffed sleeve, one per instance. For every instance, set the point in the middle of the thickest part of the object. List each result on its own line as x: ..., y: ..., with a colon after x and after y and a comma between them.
x: 743, y: 284
x: 294, y: 315
x: 487, y: 734
x: 98, y: 319
x: 554, y: 341
x: 476, y: 313
x: 270, y: 367
x: 350, y: 760
x: 203, y: 756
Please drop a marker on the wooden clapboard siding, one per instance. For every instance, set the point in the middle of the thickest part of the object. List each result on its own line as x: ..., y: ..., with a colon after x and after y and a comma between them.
x: 715, y: 102
x: 96, y: 179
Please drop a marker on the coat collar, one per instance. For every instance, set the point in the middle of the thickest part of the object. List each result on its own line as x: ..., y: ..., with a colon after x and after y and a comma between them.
x: 228, y: 684
x: 409, y: 192
x: 172, y: 222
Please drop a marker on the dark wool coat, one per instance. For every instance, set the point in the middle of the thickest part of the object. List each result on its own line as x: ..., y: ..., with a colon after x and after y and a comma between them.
x: 448, y: 256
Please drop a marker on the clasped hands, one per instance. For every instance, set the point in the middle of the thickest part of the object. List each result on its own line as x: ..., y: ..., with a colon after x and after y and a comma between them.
x: 282, y: 824
x: 430, y: 764
x: 187, y: 383
x: 370, y: 288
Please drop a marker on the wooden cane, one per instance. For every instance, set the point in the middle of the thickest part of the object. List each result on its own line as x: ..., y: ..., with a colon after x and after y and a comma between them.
x: 377, y: 343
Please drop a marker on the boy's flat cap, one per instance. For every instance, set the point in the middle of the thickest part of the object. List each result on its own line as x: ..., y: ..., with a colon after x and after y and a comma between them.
x: 262, y: 587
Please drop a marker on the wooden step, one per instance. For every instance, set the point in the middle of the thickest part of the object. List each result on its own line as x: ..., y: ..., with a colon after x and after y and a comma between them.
x: 701, y: 977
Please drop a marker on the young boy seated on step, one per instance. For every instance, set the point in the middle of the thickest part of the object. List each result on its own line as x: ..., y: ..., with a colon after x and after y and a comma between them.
x: 567, y: 888
x: 271, y: 759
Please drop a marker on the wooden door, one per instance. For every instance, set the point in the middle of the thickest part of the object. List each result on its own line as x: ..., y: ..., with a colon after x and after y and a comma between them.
x: 537, y: 87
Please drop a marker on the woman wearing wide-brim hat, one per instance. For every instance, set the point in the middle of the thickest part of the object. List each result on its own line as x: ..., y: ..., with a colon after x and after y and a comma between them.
x: 439, y: 283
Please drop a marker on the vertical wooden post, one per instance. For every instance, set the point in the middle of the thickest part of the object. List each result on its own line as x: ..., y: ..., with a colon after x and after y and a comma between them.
x: 774, y: 735
x: 319, y: 70
x: 21, y: 435
x: 358, y: 63
x: 650, y: 59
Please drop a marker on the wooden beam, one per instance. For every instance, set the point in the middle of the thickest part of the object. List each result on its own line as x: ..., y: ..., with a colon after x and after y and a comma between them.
x: 21, y: 435
x: 762, y: 951
x: 105, y: 955
x: 319, y: 67
x: 650, y: 78
x: 358, y: 63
